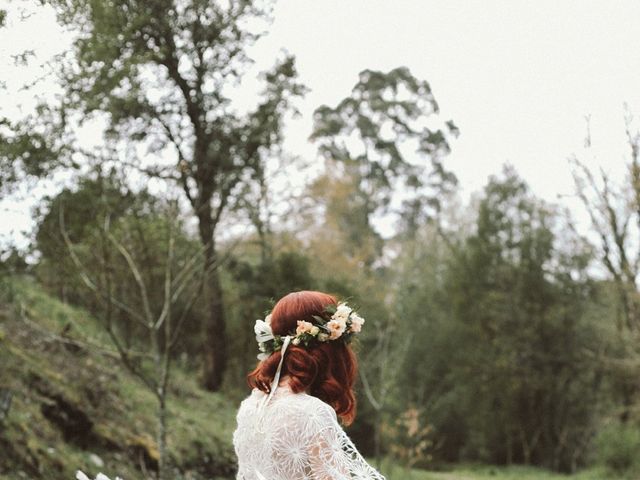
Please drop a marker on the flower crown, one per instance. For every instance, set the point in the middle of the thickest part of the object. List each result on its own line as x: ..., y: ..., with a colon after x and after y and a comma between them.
x: 343, y: 324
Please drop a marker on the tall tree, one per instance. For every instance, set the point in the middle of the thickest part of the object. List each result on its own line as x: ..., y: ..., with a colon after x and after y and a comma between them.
x: 385, y: 143
x: 503, y: 317
x: 161, y: 73
x: 165, y: 296
x: 384, y: 146
x: 614, y: 211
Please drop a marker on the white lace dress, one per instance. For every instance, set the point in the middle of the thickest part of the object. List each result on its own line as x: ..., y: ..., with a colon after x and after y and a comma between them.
x: 295, y: 436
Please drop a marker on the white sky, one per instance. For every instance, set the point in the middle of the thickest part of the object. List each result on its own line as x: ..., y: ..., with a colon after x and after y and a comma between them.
x: 517, y: 77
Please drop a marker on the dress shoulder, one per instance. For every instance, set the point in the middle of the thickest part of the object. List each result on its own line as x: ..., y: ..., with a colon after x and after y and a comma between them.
x: 249, y: 404
x: 315, y: 411
x: 295, y: 436
x: 309, y: 401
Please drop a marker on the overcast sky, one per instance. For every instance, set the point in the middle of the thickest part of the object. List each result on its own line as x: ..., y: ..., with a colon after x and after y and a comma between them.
x: 517, y: 77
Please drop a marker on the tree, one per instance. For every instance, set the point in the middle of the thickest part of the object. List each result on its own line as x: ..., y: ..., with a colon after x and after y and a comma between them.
x: 384, y: 146
x: 85, y: 206
x: 36, y: 145
x: 614, y: 212
x: 145, y: 326
x: 160, y: 73
x: 366, y: 140
x: 503, y: 316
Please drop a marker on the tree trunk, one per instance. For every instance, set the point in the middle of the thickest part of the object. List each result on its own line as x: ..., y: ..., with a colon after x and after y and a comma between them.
x: 215, y: 348
x: 162, y: 436
x: 215, y: 335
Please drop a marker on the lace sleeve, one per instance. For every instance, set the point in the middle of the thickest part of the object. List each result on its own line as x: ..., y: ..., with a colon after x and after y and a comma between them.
x: 332, y: 454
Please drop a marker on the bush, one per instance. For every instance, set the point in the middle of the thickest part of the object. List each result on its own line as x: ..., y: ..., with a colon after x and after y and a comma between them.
x: 619, y: 449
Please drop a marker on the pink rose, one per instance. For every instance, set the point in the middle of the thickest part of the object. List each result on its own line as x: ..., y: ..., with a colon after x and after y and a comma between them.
x: 303, y: 327
x: 336, y: 328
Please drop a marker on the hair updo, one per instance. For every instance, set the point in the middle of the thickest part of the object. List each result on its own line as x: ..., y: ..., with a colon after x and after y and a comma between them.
x: 326, y: 371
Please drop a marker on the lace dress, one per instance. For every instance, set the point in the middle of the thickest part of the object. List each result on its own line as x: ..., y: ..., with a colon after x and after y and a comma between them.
x: 295, y: 436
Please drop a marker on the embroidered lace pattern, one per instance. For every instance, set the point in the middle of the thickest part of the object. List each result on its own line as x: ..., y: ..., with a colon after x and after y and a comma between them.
x: 295, y: 437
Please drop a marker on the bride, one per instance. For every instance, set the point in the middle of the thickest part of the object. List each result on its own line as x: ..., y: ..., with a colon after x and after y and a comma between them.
x: 288, y: 426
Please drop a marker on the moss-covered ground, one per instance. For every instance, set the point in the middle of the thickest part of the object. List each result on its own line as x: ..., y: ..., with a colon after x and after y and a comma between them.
x: 74, y: 406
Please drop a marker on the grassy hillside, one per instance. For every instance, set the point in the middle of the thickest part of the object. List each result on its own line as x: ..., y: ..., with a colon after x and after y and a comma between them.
x: 74, y: 407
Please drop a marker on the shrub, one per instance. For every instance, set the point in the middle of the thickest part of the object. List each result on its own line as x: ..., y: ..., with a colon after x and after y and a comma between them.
x: 618, y: 449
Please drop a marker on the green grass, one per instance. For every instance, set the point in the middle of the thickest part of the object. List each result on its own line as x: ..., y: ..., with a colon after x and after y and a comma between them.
x: 39, y: 368
x: 489, y: 472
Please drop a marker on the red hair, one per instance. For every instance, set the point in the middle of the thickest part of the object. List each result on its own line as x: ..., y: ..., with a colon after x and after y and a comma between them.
x: 326, y: 371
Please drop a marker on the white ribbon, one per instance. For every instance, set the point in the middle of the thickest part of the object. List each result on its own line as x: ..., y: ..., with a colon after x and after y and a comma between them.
x: 276, y: 378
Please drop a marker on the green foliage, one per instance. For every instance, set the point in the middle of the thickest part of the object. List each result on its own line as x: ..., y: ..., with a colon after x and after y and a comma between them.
x: 28, y: 151
x: 56, y: 356
x: 81, y: 211
x: 137, y: 221
x: 161, y: 75
x: 618, y: 447
x: 162, y: 72
x: 12, y: 262
x: 366, y: 137
x: 255, y: 284
x: 502, y: 321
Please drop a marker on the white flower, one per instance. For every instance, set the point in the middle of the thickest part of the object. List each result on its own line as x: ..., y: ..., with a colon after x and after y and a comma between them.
x: 336, y: 328
x: 356, y: 323
x: 296, y: 341
x: 314, y: 330
x: 342, y: 312
x: 263, y: 356
x: 323, y: 337
x: 263, y: 331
